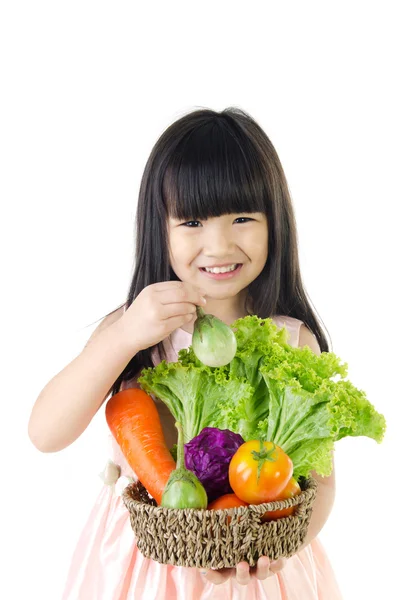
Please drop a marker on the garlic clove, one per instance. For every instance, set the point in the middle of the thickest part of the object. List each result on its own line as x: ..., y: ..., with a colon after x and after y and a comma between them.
x: 110, y: 473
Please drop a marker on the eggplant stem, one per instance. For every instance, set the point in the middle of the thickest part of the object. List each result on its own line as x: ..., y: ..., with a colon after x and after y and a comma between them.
x: 180, y: 460
x: 200, y: 313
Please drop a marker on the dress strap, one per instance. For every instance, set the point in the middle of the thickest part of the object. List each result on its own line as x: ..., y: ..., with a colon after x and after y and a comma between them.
x: 292, y: 325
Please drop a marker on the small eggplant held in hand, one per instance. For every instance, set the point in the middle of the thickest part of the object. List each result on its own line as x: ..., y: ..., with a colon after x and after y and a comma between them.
x: 183, y: 489
x: 213, y: 341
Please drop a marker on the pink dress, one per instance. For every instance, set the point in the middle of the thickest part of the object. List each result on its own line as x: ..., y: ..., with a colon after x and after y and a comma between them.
x: 107, y: 565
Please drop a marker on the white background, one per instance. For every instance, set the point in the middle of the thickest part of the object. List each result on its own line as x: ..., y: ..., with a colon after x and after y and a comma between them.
x: 87, y: 88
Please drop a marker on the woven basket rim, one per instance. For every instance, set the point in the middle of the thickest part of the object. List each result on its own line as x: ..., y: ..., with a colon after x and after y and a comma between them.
x: 218, y: 538
x: 305, y: 496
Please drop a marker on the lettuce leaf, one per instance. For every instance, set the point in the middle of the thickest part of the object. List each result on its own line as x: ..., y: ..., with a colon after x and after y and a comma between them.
x: 306, y: 424
x: 199, y: 397
x: 270, y: 390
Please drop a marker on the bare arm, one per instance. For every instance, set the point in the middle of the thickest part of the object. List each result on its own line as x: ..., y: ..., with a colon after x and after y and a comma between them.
x: 326, y: 485
x: 69, y: 401
x: 322, y: 506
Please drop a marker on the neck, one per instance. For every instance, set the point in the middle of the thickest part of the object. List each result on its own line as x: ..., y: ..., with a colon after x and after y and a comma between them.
x: 228, y: 310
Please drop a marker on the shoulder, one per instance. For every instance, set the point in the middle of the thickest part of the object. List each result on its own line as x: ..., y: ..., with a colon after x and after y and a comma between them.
x: 292, y: 325
x: 307, y: 338
x: 108, y: 320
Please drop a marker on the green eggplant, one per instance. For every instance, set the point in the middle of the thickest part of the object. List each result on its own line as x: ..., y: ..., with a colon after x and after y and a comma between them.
x: 183, y: 489
x: 213, y: 341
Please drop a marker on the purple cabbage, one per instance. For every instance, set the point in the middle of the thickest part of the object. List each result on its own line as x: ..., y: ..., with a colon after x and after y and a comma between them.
x: 208, y: 455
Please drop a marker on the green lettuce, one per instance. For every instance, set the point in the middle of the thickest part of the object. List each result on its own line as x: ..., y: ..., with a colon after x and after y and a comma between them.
x: 198, y: 396
x: 306, y: 424
x: 270, y: 391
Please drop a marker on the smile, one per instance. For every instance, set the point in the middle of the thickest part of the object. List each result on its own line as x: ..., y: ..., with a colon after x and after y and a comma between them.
x: 221, y: 272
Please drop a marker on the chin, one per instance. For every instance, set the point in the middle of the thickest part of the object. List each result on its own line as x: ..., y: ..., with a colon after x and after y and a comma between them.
x: 224, y: 295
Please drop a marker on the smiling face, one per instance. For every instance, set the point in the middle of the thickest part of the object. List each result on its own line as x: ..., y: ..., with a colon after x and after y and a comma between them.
x: 230, y: 239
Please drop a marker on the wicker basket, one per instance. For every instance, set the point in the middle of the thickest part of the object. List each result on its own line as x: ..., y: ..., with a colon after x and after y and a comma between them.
x: 205, y: 539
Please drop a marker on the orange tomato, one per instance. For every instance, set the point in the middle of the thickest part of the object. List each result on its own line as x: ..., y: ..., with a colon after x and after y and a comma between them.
x: 259, y: 471
x: 226, y: 501
x: 292, y: 489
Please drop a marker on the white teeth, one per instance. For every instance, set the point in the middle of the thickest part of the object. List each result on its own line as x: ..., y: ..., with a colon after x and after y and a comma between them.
x: 221, y: 269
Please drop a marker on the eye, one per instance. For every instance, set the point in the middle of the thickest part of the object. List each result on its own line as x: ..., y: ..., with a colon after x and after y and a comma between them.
x: 246, y: 219
x: 188, y: 223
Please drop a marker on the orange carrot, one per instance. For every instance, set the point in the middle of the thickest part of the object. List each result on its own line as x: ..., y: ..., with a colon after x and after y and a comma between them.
x: 135, y: 424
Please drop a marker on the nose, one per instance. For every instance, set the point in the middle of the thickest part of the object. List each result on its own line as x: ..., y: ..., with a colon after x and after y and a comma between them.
x: 218, y: 244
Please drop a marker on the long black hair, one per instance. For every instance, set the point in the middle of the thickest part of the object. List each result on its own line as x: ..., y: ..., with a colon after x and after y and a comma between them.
x: 207, y: 164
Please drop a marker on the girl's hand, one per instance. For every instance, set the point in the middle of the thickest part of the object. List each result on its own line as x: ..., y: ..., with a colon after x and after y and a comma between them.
x: 158, y: 310
x: 263, y: 569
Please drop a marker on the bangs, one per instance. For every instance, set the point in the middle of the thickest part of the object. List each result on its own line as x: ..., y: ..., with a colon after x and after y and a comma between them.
x: 215, y: 170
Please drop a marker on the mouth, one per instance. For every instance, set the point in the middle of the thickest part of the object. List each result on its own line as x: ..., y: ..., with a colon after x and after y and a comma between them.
x: 222, y: 272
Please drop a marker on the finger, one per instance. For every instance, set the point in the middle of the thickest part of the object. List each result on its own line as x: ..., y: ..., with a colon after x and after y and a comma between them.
x: 277, y: 565
x: 261, y: 570
x: 243, y: 576
x: 218, y: 576
x: 193, y: 297
x: 178, y: 286
x: 182, y: 295
x: 167, y: 285
x: 168, y: 311
x: 174, y: 322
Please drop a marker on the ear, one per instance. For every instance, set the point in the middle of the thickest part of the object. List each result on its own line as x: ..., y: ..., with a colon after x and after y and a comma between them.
x: 306, y: 338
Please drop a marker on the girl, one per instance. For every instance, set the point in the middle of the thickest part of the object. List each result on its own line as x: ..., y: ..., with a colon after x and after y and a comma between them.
x: 215, y: 227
